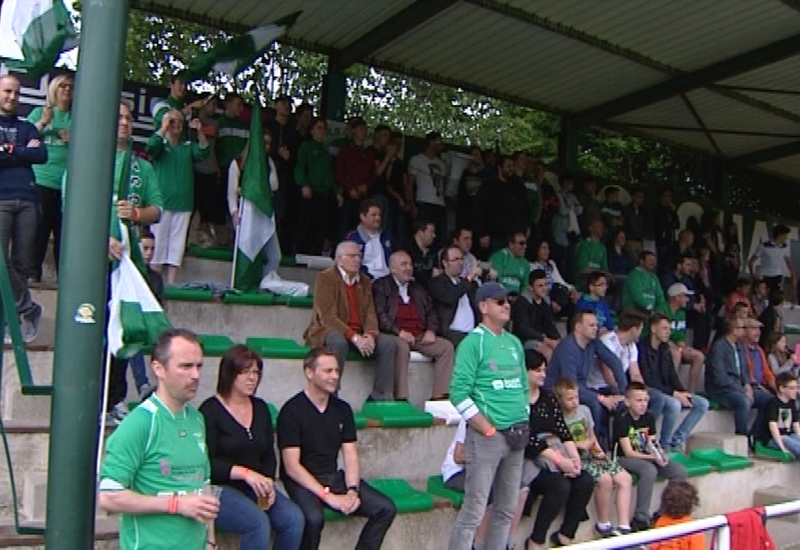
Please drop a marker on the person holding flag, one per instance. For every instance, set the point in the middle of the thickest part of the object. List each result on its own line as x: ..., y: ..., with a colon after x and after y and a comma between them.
x: 252, y: 178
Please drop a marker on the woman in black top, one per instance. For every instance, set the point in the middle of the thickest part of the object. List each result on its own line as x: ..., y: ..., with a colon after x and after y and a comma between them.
x: 552, y: 466
x: 242, y: 454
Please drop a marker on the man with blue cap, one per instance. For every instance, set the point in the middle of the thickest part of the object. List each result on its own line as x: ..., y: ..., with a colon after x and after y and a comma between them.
x: 490, y: 391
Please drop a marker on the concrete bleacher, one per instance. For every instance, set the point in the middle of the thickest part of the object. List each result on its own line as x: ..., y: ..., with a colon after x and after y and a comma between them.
x: 413, y: 454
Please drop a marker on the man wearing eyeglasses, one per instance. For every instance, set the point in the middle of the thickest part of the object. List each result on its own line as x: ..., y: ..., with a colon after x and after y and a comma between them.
x: 511, y: 265
x: 453, y: 296
x: 490, y: 391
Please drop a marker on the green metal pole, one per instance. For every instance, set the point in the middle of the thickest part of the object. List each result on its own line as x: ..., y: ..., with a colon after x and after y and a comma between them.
x: 334, y: 93
x: 567, y: 147
x: 83, y: 273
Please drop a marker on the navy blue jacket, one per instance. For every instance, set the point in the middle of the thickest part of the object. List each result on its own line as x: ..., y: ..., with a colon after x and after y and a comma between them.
x: 17, y: 181
x: 571, y: 361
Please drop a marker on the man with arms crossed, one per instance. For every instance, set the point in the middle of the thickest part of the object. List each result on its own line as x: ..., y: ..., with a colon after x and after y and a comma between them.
x: 156, y: 463
x: 490, y: 391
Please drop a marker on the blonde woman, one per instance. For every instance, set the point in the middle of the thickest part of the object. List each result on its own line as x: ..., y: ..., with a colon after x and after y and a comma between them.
x: 53, y: 121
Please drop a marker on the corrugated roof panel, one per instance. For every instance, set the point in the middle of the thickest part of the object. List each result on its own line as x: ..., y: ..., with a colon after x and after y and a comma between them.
x: 696, y: 140
x: 721, y: 113
x: 787, y: 102
x: 734, y: 145
x: 672, y: 112
x: 567, y: 75
x: 788, y: 167
x: 675, y: 33
x: 784, y: 75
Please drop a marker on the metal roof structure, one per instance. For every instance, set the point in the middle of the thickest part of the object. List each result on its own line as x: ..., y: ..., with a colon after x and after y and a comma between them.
x: 718, y: 77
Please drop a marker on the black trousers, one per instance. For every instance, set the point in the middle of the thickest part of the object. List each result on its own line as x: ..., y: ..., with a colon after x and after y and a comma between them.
x: 312, y: 223
x: 210, y: 198
x: 50, y: 222
x: 559, y: 491
x: 379, y: 511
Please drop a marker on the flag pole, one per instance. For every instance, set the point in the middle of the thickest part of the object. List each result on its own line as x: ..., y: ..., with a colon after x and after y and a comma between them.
x: 101, y: 440
x: 236, y: 242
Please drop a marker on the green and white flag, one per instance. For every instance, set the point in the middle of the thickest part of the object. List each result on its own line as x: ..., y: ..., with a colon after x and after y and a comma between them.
x: 239, y: 52
x: 42, y: 29
x: 135, y: 318
x: 256, y: 215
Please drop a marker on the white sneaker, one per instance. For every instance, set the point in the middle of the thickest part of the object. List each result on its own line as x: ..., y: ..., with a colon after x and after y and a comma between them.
x: 120, y: 410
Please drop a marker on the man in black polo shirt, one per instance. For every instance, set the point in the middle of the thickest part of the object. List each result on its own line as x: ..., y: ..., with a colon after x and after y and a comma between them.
x: 312, y: 427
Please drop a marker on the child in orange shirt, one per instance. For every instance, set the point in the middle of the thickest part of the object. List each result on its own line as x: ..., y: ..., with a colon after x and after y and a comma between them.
x: 677, y: 502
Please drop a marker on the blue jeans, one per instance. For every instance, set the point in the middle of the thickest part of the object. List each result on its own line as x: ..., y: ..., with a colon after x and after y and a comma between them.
x: 240, y: 515
x: 791, y: 442
x: 19, y: 223
x: 139, y: 372
x: 661, y: 403
x: 740, y: 403
x: 273, y: 252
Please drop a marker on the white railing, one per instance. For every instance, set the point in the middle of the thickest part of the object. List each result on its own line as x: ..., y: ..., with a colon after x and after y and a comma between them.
x: 714, y: 523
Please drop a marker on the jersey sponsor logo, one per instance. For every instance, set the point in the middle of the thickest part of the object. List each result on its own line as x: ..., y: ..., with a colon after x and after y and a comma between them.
x: 507, y: 384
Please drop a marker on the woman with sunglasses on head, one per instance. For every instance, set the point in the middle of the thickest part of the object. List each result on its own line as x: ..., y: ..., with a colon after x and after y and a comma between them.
x: 53, y: 121
x: 241, y: 450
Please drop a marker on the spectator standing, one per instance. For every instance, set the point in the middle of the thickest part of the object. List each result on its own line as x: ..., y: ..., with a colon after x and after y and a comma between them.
x: 511, y: 265
x: 525, y: 171
x: 453, y: 296
x: 772, y: 318
x: 313, y: 172
x: 619, y: 259
x: 172, y: 163
x: 591, y: 254
x: 637, y: 224
x: 468, y: 186
x: 314, y: 426
x: 421, y: 251
x: 427, y: 174
x: 304, y: 118
x: 740, y: 295
x: 667, y: 394
x: 503, y: 208
x: 175, y: 101
x: 241, y: 448
x: 532, y: 317
x: 405, y: 311
x: 666, y: 225
x: 21, y: 147
x: 611, y: 213
x: 232, y: 132
x: 760, y: 296
x: 210, y: 181
x: 642, y: 290
x: 151, y: 475
x: 490, y: 392
x: 732, y: 259
x: 379, y: 191
x: 355, y: 173
x: 774, y: 259
x: 283, y: 150
x: 344, y: 318
x: 374, y: 245
x: 635, y: 434
x: 566, y: 230
x: 53, y: 122
x: 399, y: 208
x: 591, y: 205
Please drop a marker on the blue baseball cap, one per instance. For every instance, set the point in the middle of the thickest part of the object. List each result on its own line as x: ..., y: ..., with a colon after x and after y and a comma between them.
x: 490, y: 291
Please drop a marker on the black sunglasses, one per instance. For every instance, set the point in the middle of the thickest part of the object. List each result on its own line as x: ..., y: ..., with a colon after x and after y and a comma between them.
x: 501, y: 301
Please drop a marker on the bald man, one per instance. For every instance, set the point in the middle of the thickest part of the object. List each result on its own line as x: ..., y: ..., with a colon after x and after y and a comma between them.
x: 405, y: 311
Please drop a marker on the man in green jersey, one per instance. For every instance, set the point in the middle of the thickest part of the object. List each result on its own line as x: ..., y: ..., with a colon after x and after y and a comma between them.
x: 511, y: 265
x: 642, y: 289
x: 156, y: 465
x: 490, y: 390
x: 176, y: 100
x: 232, y: 133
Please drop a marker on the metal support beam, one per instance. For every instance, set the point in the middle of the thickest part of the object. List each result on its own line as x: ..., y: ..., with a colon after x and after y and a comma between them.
x: 390, y: 30
x: 334, y: 94
x: 567, y: 149
x: 82, y: 277
x: 715, y: 72
x: 702, y: 124
x: 766, y: 155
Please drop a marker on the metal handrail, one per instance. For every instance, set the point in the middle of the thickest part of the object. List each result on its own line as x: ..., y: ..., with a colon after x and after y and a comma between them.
x: 9, y: 319
x: 674, y: 531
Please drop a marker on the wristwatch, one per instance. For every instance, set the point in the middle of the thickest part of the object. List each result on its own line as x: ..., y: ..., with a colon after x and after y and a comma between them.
x: 353, y: 488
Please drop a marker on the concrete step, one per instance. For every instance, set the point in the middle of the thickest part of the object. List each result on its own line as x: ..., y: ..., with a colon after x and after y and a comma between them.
x: 201, y: 269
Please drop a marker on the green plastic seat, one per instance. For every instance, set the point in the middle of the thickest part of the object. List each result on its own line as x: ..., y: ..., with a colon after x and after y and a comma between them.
x: 791, y: 329
x: 273, y: 413
x: 360, y: 420
x: 277, y: 348
x: 188, y: 294
x: 768, y: 453
x: 713, y: 404
x: 407, y: 499
x: 305, y: 302
x: 332, y: 515
x: 721, y: 461
x: 397, y: 414
x: 215, y: 345
x: 250, y: 298
x: 436, y: 487
x: 288, y: 261
x: 693, y: 466
x: 219, y: 253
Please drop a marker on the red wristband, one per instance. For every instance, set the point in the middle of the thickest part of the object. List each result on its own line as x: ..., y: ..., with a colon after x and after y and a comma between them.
x: 173, y: 505
x: 323, y: 493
